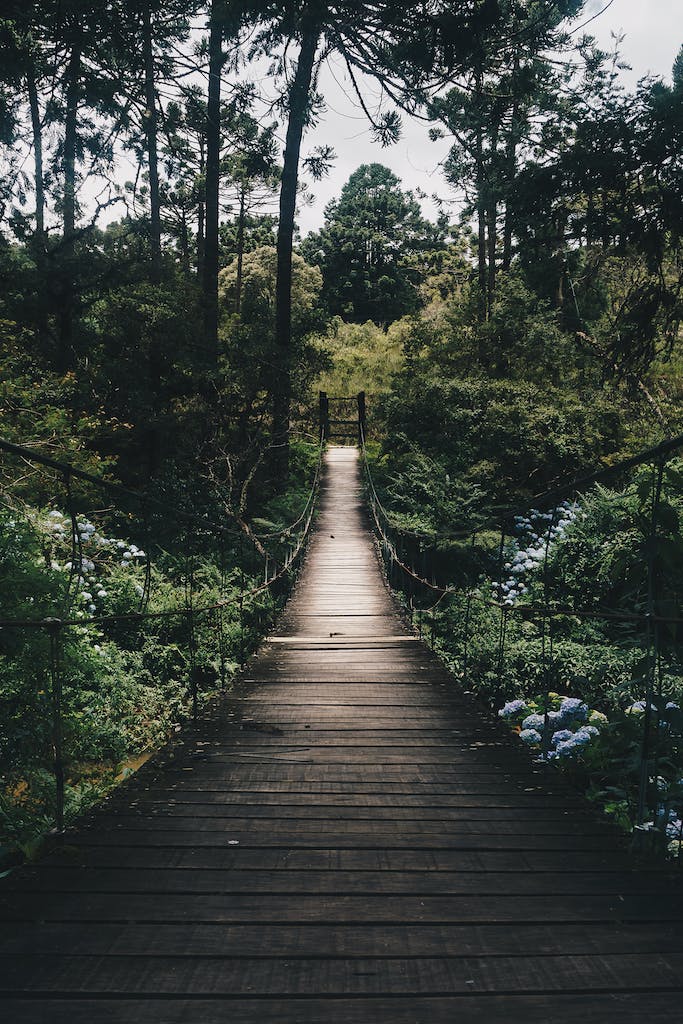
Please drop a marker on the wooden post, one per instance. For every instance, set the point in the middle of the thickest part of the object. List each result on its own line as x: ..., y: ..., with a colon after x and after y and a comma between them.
x: 361, y: 417
x: 54, y: 627
x: 324, y: 416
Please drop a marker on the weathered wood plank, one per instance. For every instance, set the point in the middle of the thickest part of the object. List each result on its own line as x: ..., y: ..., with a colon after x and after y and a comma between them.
x: 336, y: 939
x: 249, y: 907
x: 312, y: 882
x: 339, y: 977
x: 574, y: 1008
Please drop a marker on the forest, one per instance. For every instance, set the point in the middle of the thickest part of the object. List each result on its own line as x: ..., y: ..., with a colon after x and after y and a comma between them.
x: 166, y: 328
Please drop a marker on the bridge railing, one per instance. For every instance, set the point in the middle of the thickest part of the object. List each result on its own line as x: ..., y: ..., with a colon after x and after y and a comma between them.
x: 507, y: 576
x: 226, y: 581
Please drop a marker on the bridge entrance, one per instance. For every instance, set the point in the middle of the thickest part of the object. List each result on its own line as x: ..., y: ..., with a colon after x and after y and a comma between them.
x: 342, y: 418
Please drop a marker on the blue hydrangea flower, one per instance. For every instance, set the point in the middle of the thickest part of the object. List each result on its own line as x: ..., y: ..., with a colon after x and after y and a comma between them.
x: 561, y: 735
x: 574, y: 708
x: 512, y: 709
x: 674, y: 829
x: 567, y: 748
x: 533, y: 722
x: 530, y: 736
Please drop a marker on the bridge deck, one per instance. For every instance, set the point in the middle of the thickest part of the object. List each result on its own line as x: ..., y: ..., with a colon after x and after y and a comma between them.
x: 349, y: 841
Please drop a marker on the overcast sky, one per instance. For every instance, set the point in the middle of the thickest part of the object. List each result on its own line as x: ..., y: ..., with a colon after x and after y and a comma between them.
x: 653, y: 32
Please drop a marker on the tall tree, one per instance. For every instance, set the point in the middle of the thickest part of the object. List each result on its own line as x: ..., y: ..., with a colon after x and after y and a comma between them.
x: 367, y: 245
x: 298, y: 106
x: 252, y: 178
x: 151, y: 131
x: 496, y: 107
x: 213, y: 161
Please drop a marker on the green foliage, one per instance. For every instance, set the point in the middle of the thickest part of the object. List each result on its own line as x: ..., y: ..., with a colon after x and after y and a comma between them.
x: 258, y: 288
x: 503, y: 438
x: 364, y: 357
x: 609, y: 559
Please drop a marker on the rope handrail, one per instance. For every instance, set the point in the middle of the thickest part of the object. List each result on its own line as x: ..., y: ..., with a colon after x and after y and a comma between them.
x: 376, y: 505
x: 287, y: 530
x: 656, y: 453
x: 550, y: 611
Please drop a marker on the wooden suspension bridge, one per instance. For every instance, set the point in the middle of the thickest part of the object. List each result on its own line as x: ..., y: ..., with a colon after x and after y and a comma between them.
x: 348, y: 838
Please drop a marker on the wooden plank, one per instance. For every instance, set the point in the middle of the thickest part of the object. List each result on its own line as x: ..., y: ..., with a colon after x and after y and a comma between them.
x: 266, y: 839
x: 383, y: 800
x: 252, y: 908
x: 256, y: 804
x: 367, y: 828
x: 218, y: 815
x: 570, y: 1008
x: 338, y: 977
x: 341, y: 882
x: 322, y: 859
x: 333, y: 939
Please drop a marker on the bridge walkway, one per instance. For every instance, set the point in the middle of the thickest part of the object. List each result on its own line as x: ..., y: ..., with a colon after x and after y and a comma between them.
x: 349, y: 839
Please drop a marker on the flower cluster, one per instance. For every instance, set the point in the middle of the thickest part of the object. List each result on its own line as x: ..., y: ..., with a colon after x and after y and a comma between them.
x: 639, y: 707
x: 94, y: 549
x: 668, y: 818
x: 565, y: 728
x: 535, y: 533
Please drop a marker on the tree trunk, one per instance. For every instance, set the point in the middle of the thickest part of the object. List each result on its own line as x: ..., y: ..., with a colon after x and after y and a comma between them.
x: 605, y: 226
x: 298, y: 108
x: 65, y: 355
x: 492, y: 221
x: 39, y: 237
x: 213, y: 158
x: 70, y: 140
x: 590, y: 217
x: 184, y: 245
x: 492, y: 248
x: 481, y: 234
x: 560, y: 261
x: 481, y: 212
x: 240, y: 251
x: 511, y: 171
x: 152, y: 154
x: 37, y: 132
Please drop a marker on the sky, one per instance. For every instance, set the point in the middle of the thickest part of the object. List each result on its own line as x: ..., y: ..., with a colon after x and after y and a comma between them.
x: 653, y: 31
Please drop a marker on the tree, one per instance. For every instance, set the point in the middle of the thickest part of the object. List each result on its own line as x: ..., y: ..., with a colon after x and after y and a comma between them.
x: 252, y: 178
x: 602, y: 212
x: 365, y: 248
x: 213, y: 173
x: 257, y: 279
x: 509, y: 89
